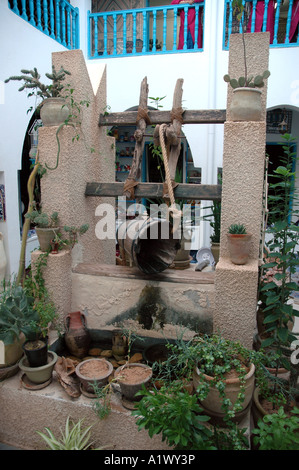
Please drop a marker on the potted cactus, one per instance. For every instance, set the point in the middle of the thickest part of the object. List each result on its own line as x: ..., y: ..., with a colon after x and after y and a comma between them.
x: 46, y: 227
x: 54, y: 110
x: 246, y: 100
x: 238, y: 243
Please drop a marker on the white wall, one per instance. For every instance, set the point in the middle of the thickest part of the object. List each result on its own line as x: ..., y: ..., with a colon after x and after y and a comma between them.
x: 21, y: 46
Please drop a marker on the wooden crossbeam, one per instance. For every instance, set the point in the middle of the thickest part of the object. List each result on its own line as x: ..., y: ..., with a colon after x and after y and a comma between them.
x: 207, y: 192
x: 128, y: 118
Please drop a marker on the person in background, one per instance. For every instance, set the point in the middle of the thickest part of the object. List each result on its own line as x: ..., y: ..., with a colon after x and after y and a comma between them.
x: 259, y: 18
x: 191, y: 24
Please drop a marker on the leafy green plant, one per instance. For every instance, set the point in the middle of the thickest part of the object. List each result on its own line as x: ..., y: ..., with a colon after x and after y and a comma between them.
x: 74, y: 437
x: 281, y: 253
x: 247, y: 80
x: 176, y: 415
x: 237, y: 229
x: 278, y: 431
x: 17, y: 313
x: 35, y: 287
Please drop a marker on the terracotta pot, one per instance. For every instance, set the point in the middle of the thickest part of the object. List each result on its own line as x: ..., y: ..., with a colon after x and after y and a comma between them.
x: 213, y: 402
x: 42, y: 374
x: 77, y: 337
x: 45, y: 236
x: 215, y: 249
x: 93, y: 371
x: 54, y: 112
x: 131, y: 380
x: 246, y: 104
x: 12, y: 352
x: 239, y: 247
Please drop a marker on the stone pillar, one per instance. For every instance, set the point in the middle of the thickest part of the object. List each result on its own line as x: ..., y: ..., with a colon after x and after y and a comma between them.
x: 89, y: 158
x: 242, y: 195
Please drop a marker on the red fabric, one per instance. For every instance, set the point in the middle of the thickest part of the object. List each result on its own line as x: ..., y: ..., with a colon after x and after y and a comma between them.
x: 259, y: 18
x: 294, y: 19
x: 191, y: 24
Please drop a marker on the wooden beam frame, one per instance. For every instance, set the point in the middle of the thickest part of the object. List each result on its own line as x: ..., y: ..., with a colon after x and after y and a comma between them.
x: 207, y: 192
x: 129, y: 118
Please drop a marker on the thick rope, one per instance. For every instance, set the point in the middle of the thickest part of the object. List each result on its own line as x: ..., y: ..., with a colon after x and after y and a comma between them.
x: 176, y: 213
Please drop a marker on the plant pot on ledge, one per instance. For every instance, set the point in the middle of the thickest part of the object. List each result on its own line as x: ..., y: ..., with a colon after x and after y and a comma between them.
x: 131, y: 377
x: 238, y: 244
x: 54, y: 112
x: 39, y: 375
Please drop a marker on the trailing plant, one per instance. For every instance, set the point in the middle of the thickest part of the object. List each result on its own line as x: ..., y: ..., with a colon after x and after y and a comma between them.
x: 102, y: 403
x: 237, y: 229
x: 278, y: 431
x: 17, y: 313
x: 74, y: 233
x: 247, y: 80
x: 74, y: 437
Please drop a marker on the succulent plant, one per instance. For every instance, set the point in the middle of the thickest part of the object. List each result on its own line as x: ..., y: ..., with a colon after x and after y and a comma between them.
x: 31, y: 81
x: 238, y: 229
x: 16, y: 314
x: 42, y: 220
x: 251, y: 81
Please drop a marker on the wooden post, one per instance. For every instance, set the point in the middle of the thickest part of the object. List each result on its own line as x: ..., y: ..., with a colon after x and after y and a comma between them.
x: 142, y: 122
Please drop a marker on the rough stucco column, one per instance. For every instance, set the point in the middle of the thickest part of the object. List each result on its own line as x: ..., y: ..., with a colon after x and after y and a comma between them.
x: 242, y: 194
x: 63, y: 189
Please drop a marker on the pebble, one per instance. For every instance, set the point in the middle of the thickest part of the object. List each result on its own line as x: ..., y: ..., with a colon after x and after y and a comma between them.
x: 137, y: 357
x: 95, y: 351
x: 107, y: 353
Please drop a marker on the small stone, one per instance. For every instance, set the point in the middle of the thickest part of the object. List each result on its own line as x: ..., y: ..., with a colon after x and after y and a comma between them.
x: 121, y: 363
x: 106, y: 353
x: 95, y: 352
x: 137, y: 357
x: 114, y: 363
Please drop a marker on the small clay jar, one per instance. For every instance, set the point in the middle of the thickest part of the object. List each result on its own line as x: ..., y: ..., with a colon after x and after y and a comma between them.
x: 77, y: 337
x: 119, y: 344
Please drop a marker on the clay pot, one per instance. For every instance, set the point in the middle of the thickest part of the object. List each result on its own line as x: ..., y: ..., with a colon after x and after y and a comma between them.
x: 93, y: 371
x: 212, y: 404
x: 36, y: 352
x: 131, y: 377
x: 45, y: 237
x: 246, y: 104
x: 12, y: 353
x: 77, y: 337
x: 239, y: 247
x: 42, y: 374
x: 54, y: 112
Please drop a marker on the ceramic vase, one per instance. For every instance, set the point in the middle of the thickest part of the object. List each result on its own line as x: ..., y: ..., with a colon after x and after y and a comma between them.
x: 77, y: 337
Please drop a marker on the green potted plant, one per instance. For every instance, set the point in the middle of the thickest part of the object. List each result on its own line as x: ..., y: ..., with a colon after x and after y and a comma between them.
x: 277, y: 431
x: 197, y: 426
x: 238, y: 243
x: 276, y: 312
x: 53, y: 109
x: 18, y: 319
x: 46, y: 227
x: 246, y: 101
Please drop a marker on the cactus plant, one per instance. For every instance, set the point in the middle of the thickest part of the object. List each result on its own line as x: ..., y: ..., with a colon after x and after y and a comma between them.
x: 238, y: 229
x: 245, y: 81
x: 31, y: 81
x: 251, y: 81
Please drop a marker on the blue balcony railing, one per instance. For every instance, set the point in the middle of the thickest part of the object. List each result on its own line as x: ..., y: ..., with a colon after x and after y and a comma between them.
x: 279, y: 17
x: 56, y: 18
x: 146, y: 31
